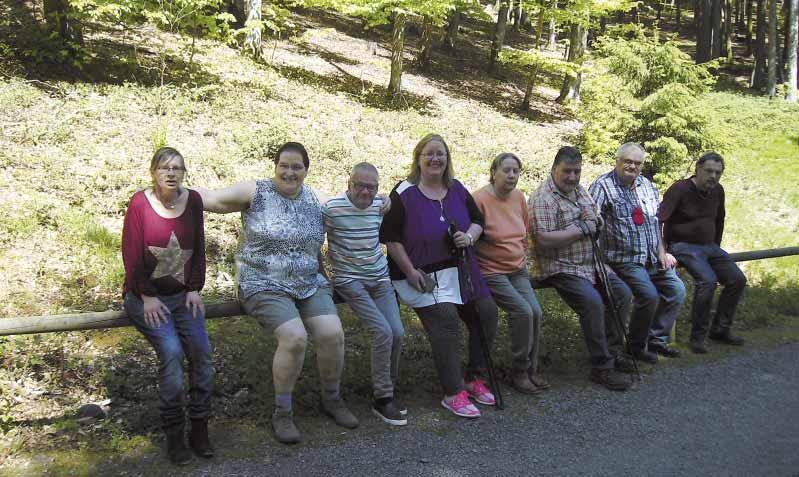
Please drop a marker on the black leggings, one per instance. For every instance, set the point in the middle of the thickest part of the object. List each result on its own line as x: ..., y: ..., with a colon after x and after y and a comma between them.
x: 440, y: 322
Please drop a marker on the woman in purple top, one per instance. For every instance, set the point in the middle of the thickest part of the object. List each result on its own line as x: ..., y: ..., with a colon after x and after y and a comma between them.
x: 163, y: 248
x: 423, y: 266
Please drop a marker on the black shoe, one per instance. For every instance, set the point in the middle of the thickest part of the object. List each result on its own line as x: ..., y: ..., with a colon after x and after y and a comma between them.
x: 727, y: 338
x: 698, y: 347
x: 624, y: 363
x: 645, y: 355
x: 176, y: 448
x: 664, y: 349
x: 389, y: 413
x: 198, y: 438
x: 611, y: 379
x: 401, y: 407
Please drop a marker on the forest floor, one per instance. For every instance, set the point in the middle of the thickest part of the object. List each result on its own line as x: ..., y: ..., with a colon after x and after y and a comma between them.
x: 74, y: 148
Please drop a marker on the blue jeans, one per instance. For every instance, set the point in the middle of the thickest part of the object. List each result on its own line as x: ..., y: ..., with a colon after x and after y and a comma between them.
x: 657, y: 297
x: 709, y: 265
x: 514, y: 294
x: 376, y: 305
x: 590, y: 303
x: 181, y: 335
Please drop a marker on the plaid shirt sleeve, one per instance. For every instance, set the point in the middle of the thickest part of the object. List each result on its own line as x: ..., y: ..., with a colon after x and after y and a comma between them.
x: 542, y: 213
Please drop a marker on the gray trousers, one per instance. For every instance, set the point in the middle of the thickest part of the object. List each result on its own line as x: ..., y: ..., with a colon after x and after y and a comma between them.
x: 441, y: 322
x: 514, y: 294
x: 376, y: 305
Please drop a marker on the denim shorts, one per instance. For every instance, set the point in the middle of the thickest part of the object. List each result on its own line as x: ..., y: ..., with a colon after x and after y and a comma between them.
x: 272, y: 309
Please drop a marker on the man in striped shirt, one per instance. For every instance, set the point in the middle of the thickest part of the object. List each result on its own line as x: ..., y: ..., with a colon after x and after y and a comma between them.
x: 631, y: 238
x: 360, y: 276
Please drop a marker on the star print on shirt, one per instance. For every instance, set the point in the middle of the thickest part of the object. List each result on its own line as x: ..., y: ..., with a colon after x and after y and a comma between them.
x: 171, y: 260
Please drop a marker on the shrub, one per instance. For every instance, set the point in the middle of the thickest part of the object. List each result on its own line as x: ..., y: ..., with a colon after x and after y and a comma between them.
x: 641, y: 89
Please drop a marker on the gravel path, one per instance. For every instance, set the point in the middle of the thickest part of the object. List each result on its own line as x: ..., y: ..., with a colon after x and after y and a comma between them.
x: 736, y: 416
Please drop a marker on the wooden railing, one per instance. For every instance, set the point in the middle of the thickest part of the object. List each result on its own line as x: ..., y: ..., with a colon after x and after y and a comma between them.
x: 115, y: 319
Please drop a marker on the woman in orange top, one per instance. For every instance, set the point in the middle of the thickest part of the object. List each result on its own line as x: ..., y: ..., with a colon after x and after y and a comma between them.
x: 502, y: 255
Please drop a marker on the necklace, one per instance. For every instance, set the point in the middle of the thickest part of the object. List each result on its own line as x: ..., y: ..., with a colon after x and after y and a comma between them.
x: 441, y: 217
x: 164, y: 203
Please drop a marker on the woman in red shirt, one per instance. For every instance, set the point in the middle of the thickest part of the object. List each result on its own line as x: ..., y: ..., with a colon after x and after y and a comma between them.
x: 163, y: 248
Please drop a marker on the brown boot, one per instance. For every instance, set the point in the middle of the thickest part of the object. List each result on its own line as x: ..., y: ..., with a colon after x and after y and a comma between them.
x: 537, y: 379
x: 198, y: 438
x: 521, y: 382
x: 176, y: 448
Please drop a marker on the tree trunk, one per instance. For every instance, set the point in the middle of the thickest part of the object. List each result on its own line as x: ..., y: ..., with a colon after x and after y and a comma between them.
x: 552, y: 44
x: 517, y: 15
x: 728, y: 32
x: 528, y: 91
x: 698, y: 7
x: 782, y: 72
x: 578, y: 38
x: 427, y: 44
x: 759, y: 72
x: 525, y: 20
x: 453, y: 26
x: 397, y: 47
x: 771, y: 86
x: 252, y: 11
x: 59, y: 20
x: 749, y: 27
x: 539, y: 28
x: 678, y: 14
x: 793, y: 46
x: 499, y: 35
x: 715, y: 49
x: 704, y: 36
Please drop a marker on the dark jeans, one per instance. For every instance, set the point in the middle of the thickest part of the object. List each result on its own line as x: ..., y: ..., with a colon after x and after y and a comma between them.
x: 709, y: 265
x: 181, y: 335
x: 440, y: 321
x: 657, y: 297
x: 588, y: 300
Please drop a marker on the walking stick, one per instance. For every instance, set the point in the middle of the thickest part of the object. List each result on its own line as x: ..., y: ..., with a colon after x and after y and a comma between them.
x: 602, y: 273
x: 492, y: 379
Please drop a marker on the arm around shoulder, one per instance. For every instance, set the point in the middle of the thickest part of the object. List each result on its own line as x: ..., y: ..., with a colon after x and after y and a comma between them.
x: 234, y: 198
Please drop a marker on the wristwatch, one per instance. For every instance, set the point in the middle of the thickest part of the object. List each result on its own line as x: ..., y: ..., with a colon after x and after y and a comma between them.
x: 471, y: 239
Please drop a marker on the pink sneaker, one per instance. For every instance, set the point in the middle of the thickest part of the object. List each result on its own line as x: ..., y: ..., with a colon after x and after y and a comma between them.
x: 461, y: 406
x: 479, y: 392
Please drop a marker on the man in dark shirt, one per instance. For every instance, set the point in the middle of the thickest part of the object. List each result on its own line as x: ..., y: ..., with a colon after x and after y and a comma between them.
x: 692, y: 214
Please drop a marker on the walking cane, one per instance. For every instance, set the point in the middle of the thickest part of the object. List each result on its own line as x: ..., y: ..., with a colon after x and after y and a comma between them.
x: 492, y: 379
x: 602, y: 273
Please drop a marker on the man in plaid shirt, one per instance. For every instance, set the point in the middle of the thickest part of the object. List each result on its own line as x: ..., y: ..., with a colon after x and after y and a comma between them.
x: 631, y: 237
x: 563, y: 216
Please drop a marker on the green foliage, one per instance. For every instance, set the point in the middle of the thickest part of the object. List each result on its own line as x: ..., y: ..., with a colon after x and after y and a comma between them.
x: 532, y: 62
x: 641, y: 89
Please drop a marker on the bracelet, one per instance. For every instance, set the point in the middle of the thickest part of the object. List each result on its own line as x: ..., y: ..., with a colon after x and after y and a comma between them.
x: 471, y: 239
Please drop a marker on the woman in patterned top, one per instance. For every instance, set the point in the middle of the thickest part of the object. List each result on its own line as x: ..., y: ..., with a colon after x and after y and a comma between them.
x: 423, y: 266
x: 163, y: 248
x: 281, y: 281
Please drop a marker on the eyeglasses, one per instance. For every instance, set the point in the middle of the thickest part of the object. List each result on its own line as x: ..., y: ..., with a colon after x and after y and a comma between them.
x: 431, y: 155
x: 171, y: 170
x: 362, y: 186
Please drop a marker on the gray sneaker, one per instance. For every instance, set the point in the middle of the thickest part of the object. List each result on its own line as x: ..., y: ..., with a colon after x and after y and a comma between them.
x: 336, y: 409
x: 283, y: 425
